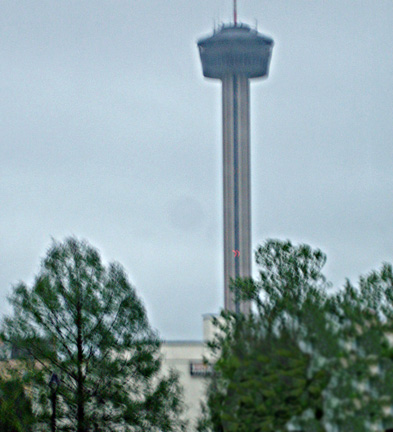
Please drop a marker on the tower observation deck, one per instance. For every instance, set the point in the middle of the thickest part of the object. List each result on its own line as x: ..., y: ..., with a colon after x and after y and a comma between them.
x: 235, y: 54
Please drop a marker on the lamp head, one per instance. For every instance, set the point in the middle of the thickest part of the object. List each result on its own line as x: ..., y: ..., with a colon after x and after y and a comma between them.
x: 54, y: 382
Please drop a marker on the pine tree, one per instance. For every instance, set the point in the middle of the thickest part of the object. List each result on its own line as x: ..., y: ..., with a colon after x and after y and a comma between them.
x: 83, y: 321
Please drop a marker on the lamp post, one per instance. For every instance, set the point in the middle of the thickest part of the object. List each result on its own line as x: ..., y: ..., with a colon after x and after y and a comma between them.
x: 54, y: 385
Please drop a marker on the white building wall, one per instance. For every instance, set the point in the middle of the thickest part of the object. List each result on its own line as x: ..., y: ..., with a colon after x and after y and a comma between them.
x: 178, y: 355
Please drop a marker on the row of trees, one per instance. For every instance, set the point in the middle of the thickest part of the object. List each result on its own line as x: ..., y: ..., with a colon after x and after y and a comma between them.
x: 309, y: 358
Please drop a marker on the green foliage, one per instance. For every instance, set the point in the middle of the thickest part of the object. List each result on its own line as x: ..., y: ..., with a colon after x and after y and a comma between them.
x: 16, y: 413
x: 84, y: 322
x: 308, y: 358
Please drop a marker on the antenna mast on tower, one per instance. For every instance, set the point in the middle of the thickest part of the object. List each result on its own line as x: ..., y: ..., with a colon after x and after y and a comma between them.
x: 235, y: 12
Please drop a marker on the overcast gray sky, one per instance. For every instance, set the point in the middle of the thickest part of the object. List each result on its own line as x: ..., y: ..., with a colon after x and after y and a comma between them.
x: 109, y: 132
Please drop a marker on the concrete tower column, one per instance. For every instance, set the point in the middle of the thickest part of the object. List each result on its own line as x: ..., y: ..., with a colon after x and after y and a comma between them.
x: 237, y: 185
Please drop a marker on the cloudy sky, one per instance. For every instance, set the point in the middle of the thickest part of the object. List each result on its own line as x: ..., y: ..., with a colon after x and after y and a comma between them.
x: 110, y: 133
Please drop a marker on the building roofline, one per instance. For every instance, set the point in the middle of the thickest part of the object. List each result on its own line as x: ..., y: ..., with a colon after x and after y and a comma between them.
x: 183, y: 342
x: 211, y: 314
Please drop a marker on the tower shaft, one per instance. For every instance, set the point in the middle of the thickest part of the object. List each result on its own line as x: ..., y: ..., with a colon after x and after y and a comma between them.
x: 235, y: 54
x: 237, y: 184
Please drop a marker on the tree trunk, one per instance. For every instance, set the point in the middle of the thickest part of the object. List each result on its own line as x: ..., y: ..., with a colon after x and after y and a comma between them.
x: 80, y: 390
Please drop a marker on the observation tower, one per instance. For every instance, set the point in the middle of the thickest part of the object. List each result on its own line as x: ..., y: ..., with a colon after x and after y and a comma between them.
x: 234, y: 54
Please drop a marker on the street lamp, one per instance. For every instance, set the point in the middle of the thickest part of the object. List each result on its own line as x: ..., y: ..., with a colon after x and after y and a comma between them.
x: 54, y: 385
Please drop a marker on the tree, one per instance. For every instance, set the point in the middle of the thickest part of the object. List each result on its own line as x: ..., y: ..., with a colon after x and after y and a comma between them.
x: 83, y: 321
x: 262, y: 383
x: 306, y: 358
x: 363, y: 384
